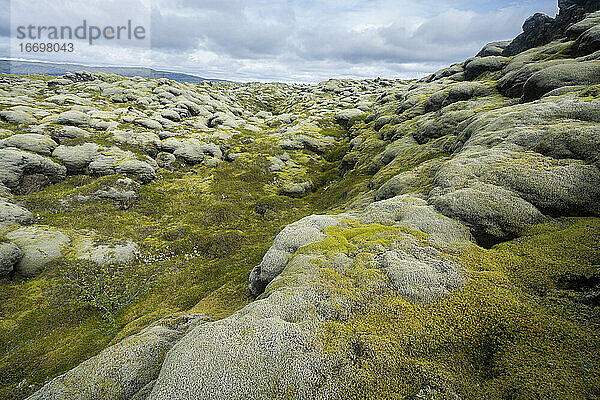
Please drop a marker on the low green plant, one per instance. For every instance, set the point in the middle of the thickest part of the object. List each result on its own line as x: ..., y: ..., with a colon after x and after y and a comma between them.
x: 108, y: 288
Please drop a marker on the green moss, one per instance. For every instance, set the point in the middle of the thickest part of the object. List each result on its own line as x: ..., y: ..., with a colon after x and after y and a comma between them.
x: 498, y: 337
x: 569, y: 50
x: 200, y: 232
x: 559, y: 256
x: 591, y: 93
x: 353, y: 235
x: 527, y: 315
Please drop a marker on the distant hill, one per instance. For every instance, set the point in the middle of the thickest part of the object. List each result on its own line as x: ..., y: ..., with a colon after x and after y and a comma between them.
x: 56, y: 69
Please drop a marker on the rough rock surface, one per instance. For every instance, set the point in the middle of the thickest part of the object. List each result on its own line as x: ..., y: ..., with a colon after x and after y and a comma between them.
x: 290, y: 239
x: 16, y: 166
x: 40, y: 245
x: 10, y: 212
x: 40, y: 144
x: 283, y: 344
x: 542, y: 82
x: 10, y: 254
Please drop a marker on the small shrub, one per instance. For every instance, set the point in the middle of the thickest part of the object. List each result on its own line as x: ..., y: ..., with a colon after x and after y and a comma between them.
x: 108, y: 288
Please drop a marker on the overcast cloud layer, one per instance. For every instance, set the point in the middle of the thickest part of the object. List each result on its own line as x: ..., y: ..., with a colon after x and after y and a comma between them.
x: 304, y: 40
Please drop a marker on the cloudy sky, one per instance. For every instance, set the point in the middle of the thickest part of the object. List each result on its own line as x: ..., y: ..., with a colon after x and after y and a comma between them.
x: 293, y: 40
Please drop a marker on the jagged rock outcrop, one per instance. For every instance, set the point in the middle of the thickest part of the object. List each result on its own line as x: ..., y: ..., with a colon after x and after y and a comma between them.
x: 541, y: 29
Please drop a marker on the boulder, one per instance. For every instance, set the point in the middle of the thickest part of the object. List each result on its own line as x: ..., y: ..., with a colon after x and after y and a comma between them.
x: 148, y: 123
x: 449, y: 72
x: 148, y: 141
x: 23, y: 172
x: 563, y: 187
x: 244, y: 357
x: 10, y: 254
x: 222, y: 119
x: 575, y: 30
x: 70, y: 132
x: 421, y: 274
x: 116, y: 161
x: 106, y: 253
x: 211, y: 149
x: 165, y: 160
x: 459, y: 92
x: 296, y: 189
x: 415, y: 212
x: 382, y: 120
x: 58, y: 82
x: 272, y: 346
x: 170, y: 115
x: 492, y: 212
x: 479, y: 65
x: 211, y: 162
x: 289, y: 144
x: 77, y: 158
x: 511, y: 84
x: 40, y: 245
x: 64, y: 99
x: 10, y: 212
x: 100, y: 125
x: 573, y: 11
x: 34, y: 142
x: 17, y: 117
x: 589, y: 41
x: 123, y: 191
x: 190, y: 150
x: 291, y: 238
x: 74, y: 118
x: 431, y: 127
x: 493, y: 49
x: 538, y: 29
x: 343, y: 117
x: 414, y: 180
x: 80, y: 76
x: 193, y: 108
x: 567, y: 74
x: 123, y: 369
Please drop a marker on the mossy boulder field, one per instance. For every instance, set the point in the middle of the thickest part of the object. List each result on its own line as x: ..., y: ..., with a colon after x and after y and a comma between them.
x: 354, y: 239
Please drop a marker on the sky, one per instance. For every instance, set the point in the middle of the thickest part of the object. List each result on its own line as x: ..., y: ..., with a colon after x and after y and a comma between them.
x: 267, y: 40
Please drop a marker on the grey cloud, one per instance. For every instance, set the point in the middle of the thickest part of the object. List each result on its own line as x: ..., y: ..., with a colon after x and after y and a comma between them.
x: 4, y: 18
x: 456, y: 26
x: 173, y: 32
x: 243, y: 37
x: 234, y: 32
x: 243, y: 40
x: 243, y: 33
x: 449, y: 36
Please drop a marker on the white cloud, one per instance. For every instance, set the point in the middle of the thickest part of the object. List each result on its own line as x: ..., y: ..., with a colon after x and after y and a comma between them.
x: 305, y: 40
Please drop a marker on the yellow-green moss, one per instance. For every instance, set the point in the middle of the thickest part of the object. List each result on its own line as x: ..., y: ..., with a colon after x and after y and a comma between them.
x: 498, y: 337
x: 353, y: 235
x: 201, y: 230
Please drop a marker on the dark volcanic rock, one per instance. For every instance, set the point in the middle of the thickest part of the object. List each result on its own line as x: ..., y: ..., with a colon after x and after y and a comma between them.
x: 538, y: 29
